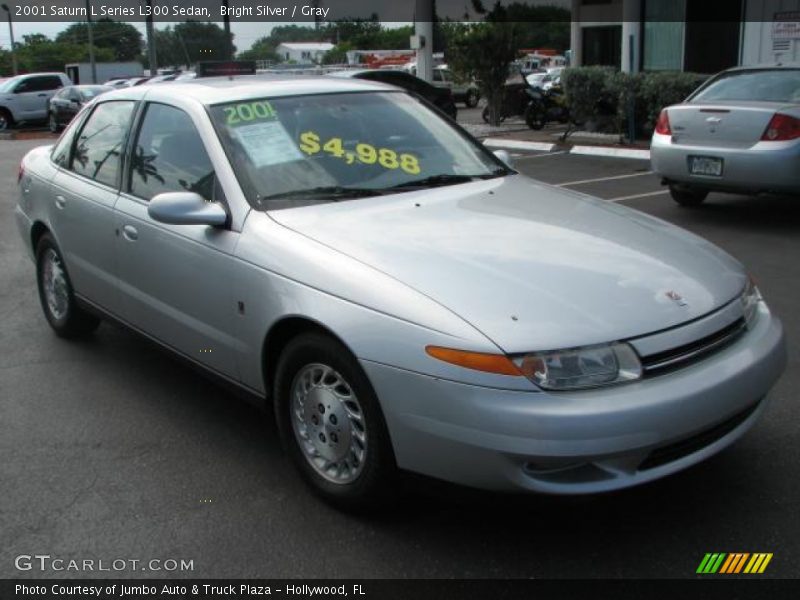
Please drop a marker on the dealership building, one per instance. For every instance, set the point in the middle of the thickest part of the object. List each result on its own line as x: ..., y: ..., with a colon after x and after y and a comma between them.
x: 686, y: 35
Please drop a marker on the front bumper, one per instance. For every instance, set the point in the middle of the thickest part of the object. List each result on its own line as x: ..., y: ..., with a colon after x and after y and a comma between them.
x: 762, y: 167
x: 580, y: 442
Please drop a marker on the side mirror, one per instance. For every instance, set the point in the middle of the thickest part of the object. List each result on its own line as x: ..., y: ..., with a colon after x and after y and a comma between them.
x: 505, y: 157
x: 186, y: 208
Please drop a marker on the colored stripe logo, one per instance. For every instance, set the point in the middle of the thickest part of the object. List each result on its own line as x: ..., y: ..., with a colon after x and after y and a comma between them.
x: 734, y: 563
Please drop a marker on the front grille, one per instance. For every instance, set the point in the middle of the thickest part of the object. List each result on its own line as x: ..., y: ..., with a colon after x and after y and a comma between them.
x: 685, y: 447
x: 674, y: 358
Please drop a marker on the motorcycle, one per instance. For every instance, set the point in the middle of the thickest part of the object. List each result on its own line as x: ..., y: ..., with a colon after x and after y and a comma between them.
x: 546, y: 106
x: 517, y: 95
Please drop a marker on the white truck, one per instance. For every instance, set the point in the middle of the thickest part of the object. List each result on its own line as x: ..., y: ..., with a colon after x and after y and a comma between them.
x: 81, y: 73
x: 26, y: 97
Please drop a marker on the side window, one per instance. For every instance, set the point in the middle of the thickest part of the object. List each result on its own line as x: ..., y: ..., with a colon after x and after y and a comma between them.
x: 437, y: 75
x: 169, y: 155
x: 101, y: 142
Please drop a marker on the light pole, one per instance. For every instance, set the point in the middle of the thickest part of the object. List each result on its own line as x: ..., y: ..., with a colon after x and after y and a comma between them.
x: 151, y: 41
x: 226, y: 22
x: 91, y: 41
x: 11, y: 34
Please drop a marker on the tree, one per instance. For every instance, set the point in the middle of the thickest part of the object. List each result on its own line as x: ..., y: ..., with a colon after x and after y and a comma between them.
x: 262, y: 49
x: 37, y: 52
x: 483, y: 52
x: 337, y: 55
x: 123, y: 39
x: 201, y: 41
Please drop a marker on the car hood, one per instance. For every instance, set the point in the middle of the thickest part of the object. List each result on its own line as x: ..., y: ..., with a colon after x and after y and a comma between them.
x: 532, y: 266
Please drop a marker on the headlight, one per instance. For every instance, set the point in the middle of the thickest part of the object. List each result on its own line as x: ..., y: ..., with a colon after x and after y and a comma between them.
x: 581, y: 367
x: 750, y: 299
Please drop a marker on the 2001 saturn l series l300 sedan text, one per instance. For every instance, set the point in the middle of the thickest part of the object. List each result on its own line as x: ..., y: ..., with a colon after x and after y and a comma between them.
x: 398, y: 294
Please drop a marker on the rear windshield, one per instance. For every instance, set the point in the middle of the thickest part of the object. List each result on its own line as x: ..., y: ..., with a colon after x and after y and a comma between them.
x: 292, y: 151
x: 779, y: 85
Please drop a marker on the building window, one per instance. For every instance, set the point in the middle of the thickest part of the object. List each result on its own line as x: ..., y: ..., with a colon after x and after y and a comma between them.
x: 602, y: 46
x: 664, y: 26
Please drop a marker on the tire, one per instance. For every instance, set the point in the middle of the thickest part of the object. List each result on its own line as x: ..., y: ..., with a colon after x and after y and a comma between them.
x: 6, y: 120
x: 485, y: 115
x: 342, y: 449
x: 687, y: 197
x: 471, y: 99
x: 534, y: 117
x: 52, y: 123
x: 56, y: 294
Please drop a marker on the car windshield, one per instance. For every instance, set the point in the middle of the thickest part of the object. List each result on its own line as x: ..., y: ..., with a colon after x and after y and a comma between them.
x: 7, y: 85
x: 297, y: 150
x: 777, y: 85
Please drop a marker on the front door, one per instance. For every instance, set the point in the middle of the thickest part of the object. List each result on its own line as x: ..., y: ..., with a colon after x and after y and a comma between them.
x: 176, y: 279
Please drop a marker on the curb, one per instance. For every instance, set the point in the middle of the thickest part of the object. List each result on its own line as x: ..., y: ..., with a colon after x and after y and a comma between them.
x: 607, y: 151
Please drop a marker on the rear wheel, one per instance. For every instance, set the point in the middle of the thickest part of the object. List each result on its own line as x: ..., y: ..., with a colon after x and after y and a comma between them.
x: 686, y: 196
x: 534, y: 117
x: 6, y: 120
x: 66, y: 318
x: 331, y: 423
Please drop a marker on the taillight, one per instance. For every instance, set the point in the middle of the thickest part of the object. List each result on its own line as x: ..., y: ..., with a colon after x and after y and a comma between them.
x: 662, y: 125
x: 782, y: 128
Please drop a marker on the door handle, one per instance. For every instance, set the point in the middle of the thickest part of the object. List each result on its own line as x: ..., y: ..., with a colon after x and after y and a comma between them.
x: 130, y: 233
x: 60, y: 201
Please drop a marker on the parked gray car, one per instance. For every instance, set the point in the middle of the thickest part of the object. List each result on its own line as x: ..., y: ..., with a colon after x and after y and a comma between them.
x: 398, y: 295
x: 739, y: 132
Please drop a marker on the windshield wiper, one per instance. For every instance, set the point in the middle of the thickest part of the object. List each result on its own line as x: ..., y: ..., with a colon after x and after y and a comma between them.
x: 332, y: 192
x: 446, y: 179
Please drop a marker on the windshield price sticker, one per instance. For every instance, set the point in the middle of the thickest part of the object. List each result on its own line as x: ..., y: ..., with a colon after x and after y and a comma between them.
x: 364, y: 153
x: 247, y: 112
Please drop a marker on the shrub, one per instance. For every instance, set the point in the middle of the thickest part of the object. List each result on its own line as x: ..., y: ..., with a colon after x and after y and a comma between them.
x: 599, y: 96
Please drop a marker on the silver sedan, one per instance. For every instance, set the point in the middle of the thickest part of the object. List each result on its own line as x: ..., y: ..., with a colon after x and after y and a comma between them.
x: 739, y: 132
x: 399, y: 296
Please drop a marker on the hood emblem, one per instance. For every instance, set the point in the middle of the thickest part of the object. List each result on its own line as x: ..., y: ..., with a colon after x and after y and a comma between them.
x: 676, y: 298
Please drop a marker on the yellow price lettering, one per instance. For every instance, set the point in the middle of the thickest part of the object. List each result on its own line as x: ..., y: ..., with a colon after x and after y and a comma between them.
x: 367, y: 154
x: 309, y: 142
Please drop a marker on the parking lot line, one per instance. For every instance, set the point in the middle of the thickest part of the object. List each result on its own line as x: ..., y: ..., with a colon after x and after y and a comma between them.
x: 527, y: 156
x: 517, y: 144
x: 634, y: 196
x: 610, y: 178
x: 613, y: 152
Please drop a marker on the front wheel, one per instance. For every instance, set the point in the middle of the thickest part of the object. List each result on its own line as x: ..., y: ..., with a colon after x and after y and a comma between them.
x: 688, y: 197
x: 66, y: 318
x: 486, y: 115
x: 6, y: 120
x: 331, y: 423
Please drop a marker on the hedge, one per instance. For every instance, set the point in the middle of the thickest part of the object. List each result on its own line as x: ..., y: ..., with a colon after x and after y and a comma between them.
x: 598, y: 97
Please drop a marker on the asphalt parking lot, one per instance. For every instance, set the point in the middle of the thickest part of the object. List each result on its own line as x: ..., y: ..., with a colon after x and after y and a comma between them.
x: 110, y: 449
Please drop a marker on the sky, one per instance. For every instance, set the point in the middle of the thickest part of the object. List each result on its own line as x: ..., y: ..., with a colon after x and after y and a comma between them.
x: 244, y: 33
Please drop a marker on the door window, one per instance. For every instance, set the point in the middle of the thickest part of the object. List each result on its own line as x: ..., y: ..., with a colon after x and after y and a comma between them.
x: 100, y: 144
x: 169, y: 156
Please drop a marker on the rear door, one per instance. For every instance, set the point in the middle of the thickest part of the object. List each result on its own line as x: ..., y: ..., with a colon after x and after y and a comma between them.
x: 83, y: 193
x: 33, y: 93
x: 176, y: 280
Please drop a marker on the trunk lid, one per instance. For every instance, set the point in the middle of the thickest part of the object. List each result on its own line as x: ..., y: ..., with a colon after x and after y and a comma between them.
x: 722, y: 124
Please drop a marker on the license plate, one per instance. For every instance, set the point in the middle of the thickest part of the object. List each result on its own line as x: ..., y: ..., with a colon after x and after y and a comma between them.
x: 705, y: 165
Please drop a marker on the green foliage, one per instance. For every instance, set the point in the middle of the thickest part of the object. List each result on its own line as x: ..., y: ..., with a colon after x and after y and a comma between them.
x: 123, y: 39
x: 37, y: 52
x: 602, y: 95
x: 262, y: 49
x: 337, y: 55
x: 483, y: 52
x: 201, y: 41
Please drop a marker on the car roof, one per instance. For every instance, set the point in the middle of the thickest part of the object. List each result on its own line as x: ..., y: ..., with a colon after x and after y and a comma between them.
x: 215, y: 90
x: 765, y: 66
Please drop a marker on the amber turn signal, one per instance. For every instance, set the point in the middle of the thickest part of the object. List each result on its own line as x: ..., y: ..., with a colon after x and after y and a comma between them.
x: 477, y: 361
